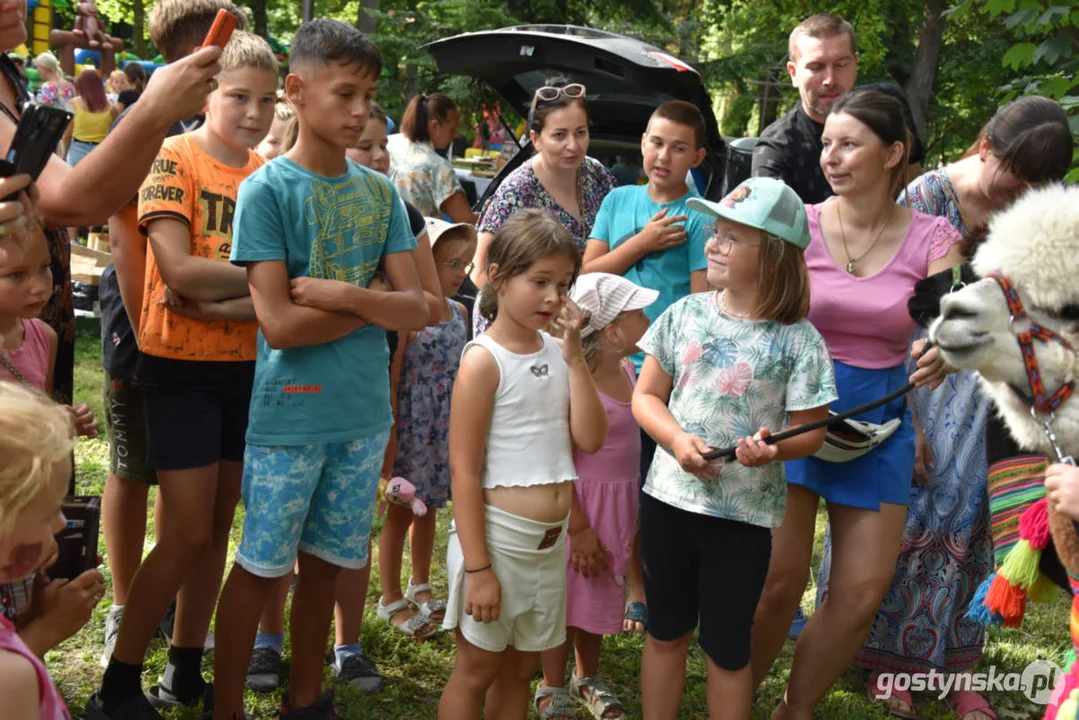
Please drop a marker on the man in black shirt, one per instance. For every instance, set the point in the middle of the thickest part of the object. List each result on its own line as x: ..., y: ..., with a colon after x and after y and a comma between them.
x: 823, y: 65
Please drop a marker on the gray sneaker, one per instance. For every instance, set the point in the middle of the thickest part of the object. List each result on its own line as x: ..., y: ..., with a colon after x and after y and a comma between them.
x: 359, y: 672
x: 112, y: 629
x: 264, y: 670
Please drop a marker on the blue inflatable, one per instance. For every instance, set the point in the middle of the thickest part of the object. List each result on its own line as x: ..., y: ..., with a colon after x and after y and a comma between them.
x: 88, y: 57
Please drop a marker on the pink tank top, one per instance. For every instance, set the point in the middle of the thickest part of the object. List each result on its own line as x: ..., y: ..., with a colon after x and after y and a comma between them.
x: 865, y: 320
x: 620, y: 456
x: 51, y: 704
x: 31, y: 358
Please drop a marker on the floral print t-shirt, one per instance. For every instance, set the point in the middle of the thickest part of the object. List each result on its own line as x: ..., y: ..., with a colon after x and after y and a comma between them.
x: 422, y: 176
x: 730, y: 378
x: 55, y: 95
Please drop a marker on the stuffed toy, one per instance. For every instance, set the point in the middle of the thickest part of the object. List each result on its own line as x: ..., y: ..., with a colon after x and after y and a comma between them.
x: 87, y: 27
x: 400, y: 492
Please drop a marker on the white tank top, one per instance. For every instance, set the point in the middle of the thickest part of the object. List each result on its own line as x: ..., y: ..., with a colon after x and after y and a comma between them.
x: 529, y: 439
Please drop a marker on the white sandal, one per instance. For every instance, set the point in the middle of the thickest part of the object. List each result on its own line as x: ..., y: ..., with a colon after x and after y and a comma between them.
x: 410, y: 627
x: 429, y: 608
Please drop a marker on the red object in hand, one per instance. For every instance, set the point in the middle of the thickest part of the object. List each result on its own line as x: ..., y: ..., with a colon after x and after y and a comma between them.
x: 221, y: 30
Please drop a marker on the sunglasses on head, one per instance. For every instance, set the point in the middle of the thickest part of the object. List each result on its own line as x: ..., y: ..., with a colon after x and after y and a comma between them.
x: 573, y: 91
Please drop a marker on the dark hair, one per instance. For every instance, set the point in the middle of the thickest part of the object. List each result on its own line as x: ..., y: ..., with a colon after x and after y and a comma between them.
x: 322, y: 42
x: 973, y: 240
x: 375, y: 112
x: 537, y: 115
x: 525, y: 237
x: 682, y: 113
x: 421, y: 110
x: 136, y: 75
x: 820, y: 27
x: 883, y: 114
x: 91, y: 89
x: 1031, y: 137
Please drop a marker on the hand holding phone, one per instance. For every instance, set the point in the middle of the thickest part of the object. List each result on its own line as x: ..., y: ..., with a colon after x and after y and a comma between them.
x: 40, y: 130
x: 221, y: 30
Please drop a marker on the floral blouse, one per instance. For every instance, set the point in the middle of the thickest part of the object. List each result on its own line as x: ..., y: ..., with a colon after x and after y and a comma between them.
x: 56, y: 95
x: 522, y: 190
x: 422, y: 176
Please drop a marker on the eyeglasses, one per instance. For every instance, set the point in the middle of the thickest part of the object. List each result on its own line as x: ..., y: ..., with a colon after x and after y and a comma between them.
x: 573, y: 91
x: 458, y: 266
x: 724, y: 240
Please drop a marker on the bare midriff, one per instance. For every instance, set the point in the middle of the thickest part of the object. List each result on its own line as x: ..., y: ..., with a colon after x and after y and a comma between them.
x: 542, y: 503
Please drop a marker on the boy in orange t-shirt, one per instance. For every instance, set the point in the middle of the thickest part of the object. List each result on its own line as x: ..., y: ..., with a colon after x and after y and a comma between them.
x: 197, y: 344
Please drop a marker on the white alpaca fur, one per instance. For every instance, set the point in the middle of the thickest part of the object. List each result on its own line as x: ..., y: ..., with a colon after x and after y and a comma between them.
x: 1035, y: 244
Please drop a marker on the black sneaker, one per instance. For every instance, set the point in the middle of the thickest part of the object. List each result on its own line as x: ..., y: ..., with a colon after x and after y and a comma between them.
x: 168, y: 624
x: 264, y: 670
x: 322, y: 709
x: 359, y: 671
x: 162, y: 698
x: 137, y: 708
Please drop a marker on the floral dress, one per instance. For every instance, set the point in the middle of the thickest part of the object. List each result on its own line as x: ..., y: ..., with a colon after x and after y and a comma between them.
x: 56, y: 95
x: 423, y: 408
x: 422, y: 176
x: 522, y: 190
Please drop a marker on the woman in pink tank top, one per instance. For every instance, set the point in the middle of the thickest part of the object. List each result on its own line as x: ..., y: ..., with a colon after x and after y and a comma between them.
x: 865, y: 255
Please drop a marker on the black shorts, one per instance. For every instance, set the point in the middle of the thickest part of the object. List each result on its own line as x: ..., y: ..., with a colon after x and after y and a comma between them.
x: 125, y: 425
x: 648, y: 451
x: 703, y: 569
x: 189, y: 426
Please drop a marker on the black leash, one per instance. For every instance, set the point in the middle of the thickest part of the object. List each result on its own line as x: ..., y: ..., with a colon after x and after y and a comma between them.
x: 837, y: 419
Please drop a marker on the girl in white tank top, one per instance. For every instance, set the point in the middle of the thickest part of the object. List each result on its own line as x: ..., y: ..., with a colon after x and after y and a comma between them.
x: 521, y: 404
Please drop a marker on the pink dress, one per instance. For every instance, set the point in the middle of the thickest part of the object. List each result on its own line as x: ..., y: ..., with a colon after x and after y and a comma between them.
x: 31, y: 358
x: 52, y: 706
x: 607, y: 488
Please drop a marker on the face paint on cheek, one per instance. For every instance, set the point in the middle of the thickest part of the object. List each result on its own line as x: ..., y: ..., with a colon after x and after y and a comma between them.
x: 23, y: 559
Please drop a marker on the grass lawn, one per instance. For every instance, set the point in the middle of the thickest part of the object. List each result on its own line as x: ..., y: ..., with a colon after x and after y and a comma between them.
x: 415, y: 673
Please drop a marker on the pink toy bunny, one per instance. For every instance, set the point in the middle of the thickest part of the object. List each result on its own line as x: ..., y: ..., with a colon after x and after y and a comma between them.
x: 400, y: 492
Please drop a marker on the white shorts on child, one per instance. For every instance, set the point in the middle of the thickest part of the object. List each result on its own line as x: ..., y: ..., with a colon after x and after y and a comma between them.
x: 529, y: 560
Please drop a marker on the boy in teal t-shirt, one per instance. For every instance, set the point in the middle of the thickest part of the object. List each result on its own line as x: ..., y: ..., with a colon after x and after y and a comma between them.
x: 645, y: 232
x: 312, y: 228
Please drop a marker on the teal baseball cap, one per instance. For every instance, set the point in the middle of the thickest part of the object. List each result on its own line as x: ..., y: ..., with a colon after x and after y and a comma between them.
x: 763, y: 203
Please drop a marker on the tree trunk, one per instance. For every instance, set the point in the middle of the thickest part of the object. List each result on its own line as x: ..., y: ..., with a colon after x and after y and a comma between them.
x: 138, y: 28
x: 920, y: 86
x: 258, y: 12
x: 366, y: 21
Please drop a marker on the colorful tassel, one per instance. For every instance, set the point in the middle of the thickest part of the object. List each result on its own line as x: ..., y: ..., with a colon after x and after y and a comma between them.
x: 1045, y: 590
x: 1007, y: 600
x: 1034, y: 525
x: 1020, y: 568
x: 1068, y: 708
x: 979, y: 607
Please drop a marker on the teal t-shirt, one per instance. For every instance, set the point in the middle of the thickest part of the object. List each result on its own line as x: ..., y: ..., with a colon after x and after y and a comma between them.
x: 332, y: 228
x: 624, y: 213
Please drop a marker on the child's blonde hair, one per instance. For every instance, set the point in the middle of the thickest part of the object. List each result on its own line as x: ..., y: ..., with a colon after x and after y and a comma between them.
x: 284, y: 110
x: 525, y: 237
x: 35, y: 434
x: 246, y: 50
x: 782, y: 281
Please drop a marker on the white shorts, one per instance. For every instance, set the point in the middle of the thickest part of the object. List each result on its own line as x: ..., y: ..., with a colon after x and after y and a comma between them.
x: 529, y: 560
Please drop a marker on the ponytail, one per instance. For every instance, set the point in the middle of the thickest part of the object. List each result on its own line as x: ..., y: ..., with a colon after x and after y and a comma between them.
x: 421, y: 110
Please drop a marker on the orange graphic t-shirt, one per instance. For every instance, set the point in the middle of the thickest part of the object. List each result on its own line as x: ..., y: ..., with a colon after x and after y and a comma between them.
x: 188, y: 185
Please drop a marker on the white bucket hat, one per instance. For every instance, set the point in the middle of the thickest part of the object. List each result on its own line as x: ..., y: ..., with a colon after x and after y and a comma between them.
x: 605, y: 296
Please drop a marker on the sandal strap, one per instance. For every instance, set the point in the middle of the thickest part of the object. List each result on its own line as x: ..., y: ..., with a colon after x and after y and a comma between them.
x: 560, y: 704
x: 597, y: 695
x: 388, y: 611
x: 412, y: 590
x: 413, y: 625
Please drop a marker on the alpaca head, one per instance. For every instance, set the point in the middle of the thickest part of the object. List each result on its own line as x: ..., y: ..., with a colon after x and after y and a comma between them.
x: 1035, y: 244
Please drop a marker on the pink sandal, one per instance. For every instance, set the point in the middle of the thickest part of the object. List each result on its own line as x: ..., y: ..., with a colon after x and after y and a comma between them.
x: 877, y: 694
x: 965, y: 702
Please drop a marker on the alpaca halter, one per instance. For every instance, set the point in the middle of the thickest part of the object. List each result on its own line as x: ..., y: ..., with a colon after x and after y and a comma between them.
x: 1041, y: 408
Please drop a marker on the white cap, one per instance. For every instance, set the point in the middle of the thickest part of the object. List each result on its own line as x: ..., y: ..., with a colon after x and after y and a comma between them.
x: 605, y: 296
x: 437, y: 227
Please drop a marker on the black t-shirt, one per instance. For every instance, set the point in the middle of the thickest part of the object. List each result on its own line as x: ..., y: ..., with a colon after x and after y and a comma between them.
x: 418, y: 224
x: 119, y: 351
x: 128, y: 97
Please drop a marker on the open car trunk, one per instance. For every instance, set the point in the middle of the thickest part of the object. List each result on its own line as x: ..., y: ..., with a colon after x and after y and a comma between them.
x: 626, y: 80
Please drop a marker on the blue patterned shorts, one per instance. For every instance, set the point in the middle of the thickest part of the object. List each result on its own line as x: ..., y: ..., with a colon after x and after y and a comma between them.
x: 313, y: 498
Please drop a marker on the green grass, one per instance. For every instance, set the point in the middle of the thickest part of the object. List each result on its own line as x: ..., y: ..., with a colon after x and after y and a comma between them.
x: 415, y: 673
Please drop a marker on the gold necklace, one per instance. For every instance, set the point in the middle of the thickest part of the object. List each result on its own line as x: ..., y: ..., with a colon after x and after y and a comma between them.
x: 727, y: 311
x: 843, y: 233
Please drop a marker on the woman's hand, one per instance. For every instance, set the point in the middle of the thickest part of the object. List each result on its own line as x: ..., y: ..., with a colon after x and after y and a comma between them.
x: 483, y: 595
x: 754, y: 452
x: 18, y: 214
x: 569, y: 321
x: 931, y: 366
x: 587, y: 553
x: 1062, y: 482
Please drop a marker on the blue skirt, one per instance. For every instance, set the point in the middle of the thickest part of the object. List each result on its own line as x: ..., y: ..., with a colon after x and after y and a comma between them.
x: 884, y: 474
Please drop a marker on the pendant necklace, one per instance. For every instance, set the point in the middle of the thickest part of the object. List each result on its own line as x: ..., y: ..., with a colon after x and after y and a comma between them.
x: 843, y: 233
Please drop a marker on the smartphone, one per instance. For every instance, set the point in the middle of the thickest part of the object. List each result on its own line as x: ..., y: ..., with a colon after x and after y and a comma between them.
x: 40, y: 130
x: 78, y: 541
x: 221, y: 30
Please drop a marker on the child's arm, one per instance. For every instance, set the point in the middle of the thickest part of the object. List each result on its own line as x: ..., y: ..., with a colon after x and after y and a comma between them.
x: 471, y: 407
x: 129, y: 256
x: 1062, y: 482
x: 285, y: 324
x: 424, y: 258
x: 660, y: 233
x: 588, y: 555
x: 753, y: 452
x: 587, y: 416
x: 18, y: 687
x: 403, y: 308
x: 196, y: 278
x: 81, y: 415
x: 239, y: 309
x: 650, y: 398
x: 390, y: 458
